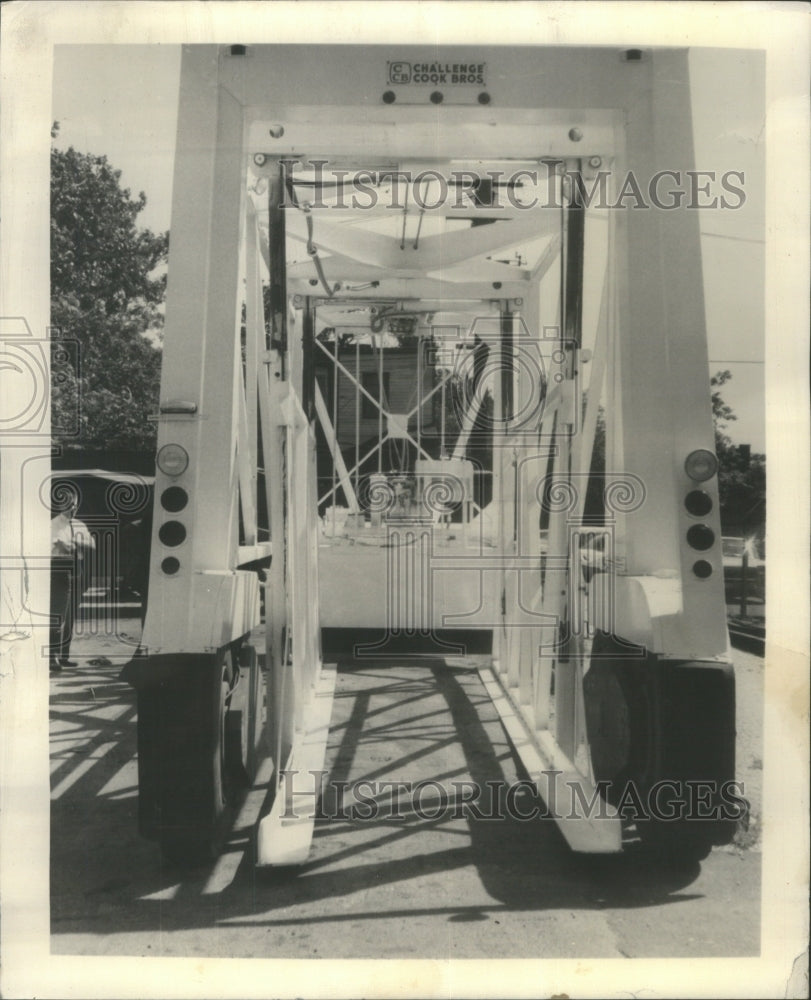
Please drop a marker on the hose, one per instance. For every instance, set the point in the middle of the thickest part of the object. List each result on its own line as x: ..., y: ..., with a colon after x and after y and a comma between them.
x: 312, y: 250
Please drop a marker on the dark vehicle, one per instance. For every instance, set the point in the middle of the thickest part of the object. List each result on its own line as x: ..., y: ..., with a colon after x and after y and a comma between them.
x: 116, y: 508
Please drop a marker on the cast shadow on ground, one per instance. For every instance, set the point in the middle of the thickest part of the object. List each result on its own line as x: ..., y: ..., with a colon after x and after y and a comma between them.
x: 105, y: 879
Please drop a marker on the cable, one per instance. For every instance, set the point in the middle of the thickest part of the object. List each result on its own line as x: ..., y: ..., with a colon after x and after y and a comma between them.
x: 419, y: 221
x: 405, y: 216
x: 360, y: 288
x: 419, y: 227
x: 312, y: 250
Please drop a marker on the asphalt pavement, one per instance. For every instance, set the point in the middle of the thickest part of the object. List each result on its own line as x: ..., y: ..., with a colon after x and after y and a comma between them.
x: 423, y: 878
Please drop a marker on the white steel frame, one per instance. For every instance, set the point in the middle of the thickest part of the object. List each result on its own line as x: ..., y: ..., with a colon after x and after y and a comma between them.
x: 649, y: 367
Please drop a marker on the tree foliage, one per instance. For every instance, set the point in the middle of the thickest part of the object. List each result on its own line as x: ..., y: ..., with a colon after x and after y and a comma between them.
x: 722, y: 413
x: 107, y: 290
x: 741, y: 475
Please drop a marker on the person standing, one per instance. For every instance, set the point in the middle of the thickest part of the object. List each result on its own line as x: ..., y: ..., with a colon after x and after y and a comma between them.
x: 70, y: 541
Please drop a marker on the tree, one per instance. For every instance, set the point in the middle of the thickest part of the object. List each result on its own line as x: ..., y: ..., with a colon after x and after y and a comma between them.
x: 107, y: 290
x: 741, y: 475
x: 721, y: 412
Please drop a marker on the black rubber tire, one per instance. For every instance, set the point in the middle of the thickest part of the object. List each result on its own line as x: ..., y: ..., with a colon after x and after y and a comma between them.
x: 619, y: 722
x: 650, y: 720
x: 245, y: 721
x: 196, y: 789
x: 677, y: 843
x: 256, y: 716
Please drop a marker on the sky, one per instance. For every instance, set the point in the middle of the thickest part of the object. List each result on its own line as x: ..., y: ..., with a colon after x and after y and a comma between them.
x: 121, y: 101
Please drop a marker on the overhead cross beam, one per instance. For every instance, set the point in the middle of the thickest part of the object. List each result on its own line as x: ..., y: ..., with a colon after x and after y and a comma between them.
x: 443, y: 250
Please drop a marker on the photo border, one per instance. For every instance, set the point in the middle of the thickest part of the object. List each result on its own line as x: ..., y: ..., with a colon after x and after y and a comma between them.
x: 29, y: 32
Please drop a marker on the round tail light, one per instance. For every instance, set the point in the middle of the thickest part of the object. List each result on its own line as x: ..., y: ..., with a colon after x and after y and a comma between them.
x: 173, y: 460
x: 701, y: 465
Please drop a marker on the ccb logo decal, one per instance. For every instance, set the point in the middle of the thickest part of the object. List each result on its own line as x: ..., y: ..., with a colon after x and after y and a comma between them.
x: 399, y: 72
x: 437, y: 72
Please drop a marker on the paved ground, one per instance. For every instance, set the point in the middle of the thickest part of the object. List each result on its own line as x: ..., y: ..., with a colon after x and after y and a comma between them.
x: 392, y: 886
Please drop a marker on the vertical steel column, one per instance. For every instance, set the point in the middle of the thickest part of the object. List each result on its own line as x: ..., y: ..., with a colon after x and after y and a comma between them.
x: 357, y: 419
x: 277, y: 194
x: 254, y: 340
x: 568, y: 665
x: 308, y: 359
x: 335, y: 390
x: 272, y: 393
x: 529, y: 385
x: 507, y: 388
x: 665, y: 399
x: 201, y: 345
x: 500, y: 648
x: 574, y: 232
x: 274, y: 433
x: 380, y: 402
